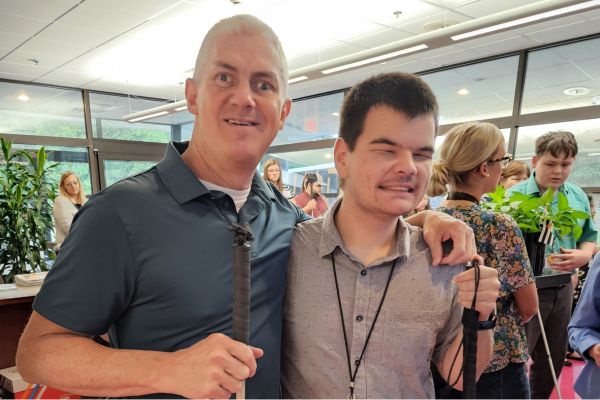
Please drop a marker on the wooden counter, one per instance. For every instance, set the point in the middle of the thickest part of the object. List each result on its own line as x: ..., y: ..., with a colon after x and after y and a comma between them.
x: 15, y: 309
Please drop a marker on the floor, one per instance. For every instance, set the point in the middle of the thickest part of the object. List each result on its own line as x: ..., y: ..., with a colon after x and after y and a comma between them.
x: 567, y: 379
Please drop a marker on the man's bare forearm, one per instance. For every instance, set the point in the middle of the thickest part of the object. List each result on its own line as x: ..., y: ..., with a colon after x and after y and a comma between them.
x: 485, y: 342
x: 76, y: 364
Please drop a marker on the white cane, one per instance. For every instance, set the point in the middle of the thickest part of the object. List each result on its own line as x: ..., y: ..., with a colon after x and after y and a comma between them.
x: 543, y: 331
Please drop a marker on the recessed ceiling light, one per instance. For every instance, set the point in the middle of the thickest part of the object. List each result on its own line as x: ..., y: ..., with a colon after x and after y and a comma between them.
x: 435, y: 25
x: 23, y: 97
x: 596, y: 100
x: 327, y: 155
x: 335, y: 114
x: 463, y: 92
x: 577, y: 91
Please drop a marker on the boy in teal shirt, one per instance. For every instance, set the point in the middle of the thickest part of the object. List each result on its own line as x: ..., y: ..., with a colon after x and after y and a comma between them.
x: 553, y: 161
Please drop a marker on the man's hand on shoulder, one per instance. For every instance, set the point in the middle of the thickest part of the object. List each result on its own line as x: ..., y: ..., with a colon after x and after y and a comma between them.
x: 487, y: 292
x: 212, y: 368
x: 439, y: 227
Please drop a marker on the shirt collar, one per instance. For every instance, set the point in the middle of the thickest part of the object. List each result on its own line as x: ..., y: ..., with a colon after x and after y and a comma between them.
x: 183, y: 184
x: 330, y: 238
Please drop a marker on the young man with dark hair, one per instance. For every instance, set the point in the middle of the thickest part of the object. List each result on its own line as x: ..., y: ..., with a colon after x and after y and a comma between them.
x: 553, y: 161
x: 365, y: 311
x: 311, y: 201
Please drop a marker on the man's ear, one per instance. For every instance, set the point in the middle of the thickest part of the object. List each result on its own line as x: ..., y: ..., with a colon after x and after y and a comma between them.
x: 191, y: 93
x: 341, y: 152
x: 285, y: 111
x: 534, y: 161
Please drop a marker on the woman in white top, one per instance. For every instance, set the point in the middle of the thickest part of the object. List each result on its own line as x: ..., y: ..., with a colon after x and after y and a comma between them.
x: 66, y: 205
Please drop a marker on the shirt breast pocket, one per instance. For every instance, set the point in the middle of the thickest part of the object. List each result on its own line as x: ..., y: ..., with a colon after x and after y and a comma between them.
x: 410, y: 337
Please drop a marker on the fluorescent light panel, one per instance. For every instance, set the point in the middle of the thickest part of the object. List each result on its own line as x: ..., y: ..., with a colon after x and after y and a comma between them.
x: 158, y: 114
x: 297, y: 79
x: 375, y: 59
x: 525, y: 20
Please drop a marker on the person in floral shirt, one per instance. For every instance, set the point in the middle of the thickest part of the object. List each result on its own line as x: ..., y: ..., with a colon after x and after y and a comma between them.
x: 470, y: 165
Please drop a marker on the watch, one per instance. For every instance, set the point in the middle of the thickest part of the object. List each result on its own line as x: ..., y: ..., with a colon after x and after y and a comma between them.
x: 489, y: 324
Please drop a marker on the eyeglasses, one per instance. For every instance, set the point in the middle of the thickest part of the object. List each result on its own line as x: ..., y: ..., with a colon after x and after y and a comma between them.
x: 504, y: 160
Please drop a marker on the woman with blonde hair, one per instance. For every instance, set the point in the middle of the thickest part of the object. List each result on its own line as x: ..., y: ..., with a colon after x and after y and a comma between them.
x: 66, y: 205
x: 513, y: 173
x: 272, y: 173
x: 470, y: 165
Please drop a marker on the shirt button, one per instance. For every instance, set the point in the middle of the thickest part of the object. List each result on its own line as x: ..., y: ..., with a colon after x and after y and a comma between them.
x: 363, y: 272
x: 359, y: 318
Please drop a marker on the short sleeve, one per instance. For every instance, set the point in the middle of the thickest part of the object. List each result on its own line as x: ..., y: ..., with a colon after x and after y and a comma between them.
x: 451, y: 329
x: 92, y: 280
x: 508, y: 246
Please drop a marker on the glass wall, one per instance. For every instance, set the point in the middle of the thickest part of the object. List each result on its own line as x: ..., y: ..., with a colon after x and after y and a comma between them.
x: 40, y: 110
x: 475, y: 92
x: 586, y: 171
x: 108, y: 112
x: 562, y: 77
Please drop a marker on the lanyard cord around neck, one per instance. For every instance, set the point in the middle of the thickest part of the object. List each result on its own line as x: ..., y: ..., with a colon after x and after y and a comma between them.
x: 362, y: 353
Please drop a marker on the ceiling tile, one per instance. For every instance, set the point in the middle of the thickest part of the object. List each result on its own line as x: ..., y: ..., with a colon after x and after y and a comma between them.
x: 416, y: 27
x: 10, y: 41
x: 28, y: 70
x: 19, y: 25
x: 96, y: 19
x: 482, y: 9
x: 375, y: 39
x: 47, y: 10
x: 562, y: 32
x: 139, y: 8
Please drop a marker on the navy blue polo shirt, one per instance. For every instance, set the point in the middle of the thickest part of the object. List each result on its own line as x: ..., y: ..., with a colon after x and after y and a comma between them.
x: 149, y: 260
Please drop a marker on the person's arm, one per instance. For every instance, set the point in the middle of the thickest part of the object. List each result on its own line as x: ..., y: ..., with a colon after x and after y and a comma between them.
x: 51, y: 355
x: 584, y: 331
x: 439, y: 227
x: 514, y: 265
x: 487, y: 294
x: 63, y: 214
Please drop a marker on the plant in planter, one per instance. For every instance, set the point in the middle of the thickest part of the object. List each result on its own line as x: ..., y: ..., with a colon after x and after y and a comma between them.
x: 26, y: 196
x: 536, y: 217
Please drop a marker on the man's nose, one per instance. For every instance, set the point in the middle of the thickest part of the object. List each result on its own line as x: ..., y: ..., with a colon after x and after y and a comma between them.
x: 243, y: 95
x: 405, y: 164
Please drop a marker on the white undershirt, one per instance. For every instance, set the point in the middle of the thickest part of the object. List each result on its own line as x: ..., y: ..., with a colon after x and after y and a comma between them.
x: 239, y: 197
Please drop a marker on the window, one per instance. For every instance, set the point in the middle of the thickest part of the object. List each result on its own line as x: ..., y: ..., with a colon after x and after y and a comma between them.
x: 295, y: 164
x: 107, y: 113
x: 73, y: 159
x: 585, y: 172
x: 39, y: 110
x: 312, y: 119
x: 475, y: 92
x: 562, y: 77
x: 440, y: 139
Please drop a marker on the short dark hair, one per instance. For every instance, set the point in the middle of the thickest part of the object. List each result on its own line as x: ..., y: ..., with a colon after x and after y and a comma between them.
x: 403, y: 92
x: 556, y: 143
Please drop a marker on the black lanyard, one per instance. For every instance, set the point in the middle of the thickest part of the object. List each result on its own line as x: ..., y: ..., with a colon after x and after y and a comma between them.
x: 362, y: 353
x: 462, y: 196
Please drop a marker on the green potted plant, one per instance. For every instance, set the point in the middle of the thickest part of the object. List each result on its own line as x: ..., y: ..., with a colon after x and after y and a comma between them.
x: 535, y: 216
x: 26, y: 195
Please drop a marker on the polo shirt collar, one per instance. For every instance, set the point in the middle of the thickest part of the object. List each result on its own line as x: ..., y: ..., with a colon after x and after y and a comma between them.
x: 330, y: 238
x: 183, y: 184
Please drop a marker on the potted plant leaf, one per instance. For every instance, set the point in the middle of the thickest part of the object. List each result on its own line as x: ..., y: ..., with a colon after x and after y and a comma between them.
x: 537, y: 219
x: 26, y: 195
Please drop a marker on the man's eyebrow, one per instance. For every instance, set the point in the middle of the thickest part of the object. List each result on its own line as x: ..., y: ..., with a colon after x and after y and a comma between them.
x: 383, y: 140
x: 260, y: 74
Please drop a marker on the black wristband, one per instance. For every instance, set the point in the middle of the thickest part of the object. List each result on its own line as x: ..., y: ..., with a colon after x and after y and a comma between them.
x: 489, y: 324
